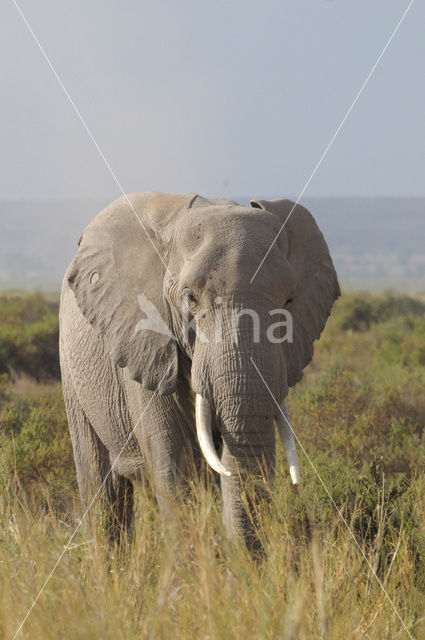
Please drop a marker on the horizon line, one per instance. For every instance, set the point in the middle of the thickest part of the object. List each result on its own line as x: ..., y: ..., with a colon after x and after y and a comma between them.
x: 47, y: 198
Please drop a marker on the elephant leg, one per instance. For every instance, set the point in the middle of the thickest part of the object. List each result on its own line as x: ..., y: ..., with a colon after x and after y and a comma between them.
x: 169, y: 446
x: 121, y: 507
x: 166, y: 469
x: 102, y: 489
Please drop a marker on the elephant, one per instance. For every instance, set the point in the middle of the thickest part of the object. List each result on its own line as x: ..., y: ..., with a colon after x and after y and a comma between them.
x: 151, y: 385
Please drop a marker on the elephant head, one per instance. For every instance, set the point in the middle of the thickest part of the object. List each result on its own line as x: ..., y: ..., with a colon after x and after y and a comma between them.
x: 188, y: 264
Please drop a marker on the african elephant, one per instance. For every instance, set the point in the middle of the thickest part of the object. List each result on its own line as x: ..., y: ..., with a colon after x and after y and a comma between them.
x: 145, y: 390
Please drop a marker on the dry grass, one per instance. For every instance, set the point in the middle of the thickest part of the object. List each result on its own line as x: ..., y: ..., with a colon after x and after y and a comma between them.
x: 192, y: 584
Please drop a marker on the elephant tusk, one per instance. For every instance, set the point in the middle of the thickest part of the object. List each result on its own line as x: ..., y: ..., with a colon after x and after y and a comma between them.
x: 204, y: 433
x: 288, y: 441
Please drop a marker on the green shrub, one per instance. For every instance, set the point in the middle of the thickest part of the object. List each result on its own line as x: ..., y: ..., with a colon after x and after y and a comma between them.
x: 358, y: 312
x: 29, y: 334
x: 36, y: 451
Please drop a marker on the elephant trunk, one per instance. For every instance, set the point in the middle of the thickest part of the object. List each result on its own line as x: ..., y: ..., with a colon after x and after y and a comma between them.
x: 244, y: 416
x: 249, y: 453
x: 233, y: 398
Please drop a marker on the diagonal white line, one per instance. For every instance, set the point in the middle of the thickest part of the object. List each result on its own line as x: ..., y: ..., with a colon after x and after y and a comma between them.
x: 322, y: 157
x: 334, y: 503
x: 66, y: 546
x: 83, y: 122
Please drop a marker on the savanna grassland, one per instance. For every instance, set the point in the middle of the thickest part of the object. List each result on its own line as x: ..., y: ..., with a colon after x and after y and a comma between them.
x: 360, y: 417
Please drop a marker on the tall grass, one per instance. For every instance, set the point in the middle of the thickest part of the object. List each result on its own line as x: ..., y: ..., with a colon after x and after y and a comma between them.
x: 313, y: 583
x: 359, y: 414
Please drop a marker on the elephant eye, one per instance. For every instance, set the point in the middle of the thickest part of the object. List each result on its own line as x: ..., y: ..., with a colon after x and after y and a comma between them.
x: 189, y: 297
x: 289, y: 300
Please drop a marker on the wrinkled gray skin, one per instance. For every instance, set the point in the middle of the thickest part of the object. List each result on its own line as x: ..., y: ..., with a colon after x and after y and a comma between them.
x: 116, y: 380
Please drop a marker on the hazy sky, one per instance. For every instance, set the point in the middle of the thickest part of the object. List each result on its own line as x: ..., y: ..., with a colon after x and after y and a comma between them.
x: 221, y: 98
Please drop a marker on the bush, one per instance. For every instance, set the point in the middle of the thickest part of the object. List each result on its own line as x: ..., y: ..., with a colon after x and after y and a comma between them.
x: 358, y: 312
x: 36, y: 451
x: 29, y: 336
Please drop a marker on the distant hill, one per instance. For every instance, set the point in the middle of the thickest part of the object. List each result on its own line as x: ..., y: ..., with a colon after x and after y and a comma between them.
x: 375, y: 242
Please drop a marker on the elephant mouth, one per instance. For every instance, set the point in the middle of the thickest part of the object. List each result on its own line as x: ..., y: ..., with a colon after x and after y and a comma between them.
x: 204, y: 432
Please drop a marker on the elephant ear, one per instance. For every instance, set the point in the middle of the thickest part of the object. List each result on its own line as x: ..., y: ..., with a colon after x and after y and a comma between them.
x: 316, y: 289
x: 117, y: 278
